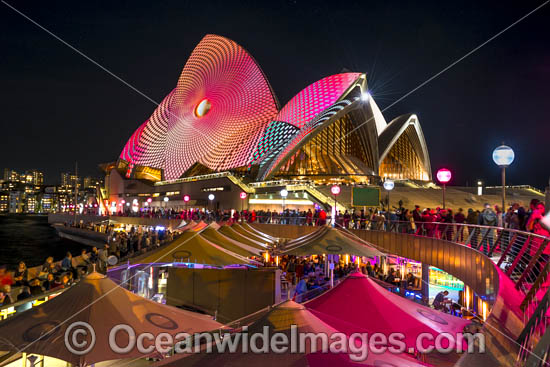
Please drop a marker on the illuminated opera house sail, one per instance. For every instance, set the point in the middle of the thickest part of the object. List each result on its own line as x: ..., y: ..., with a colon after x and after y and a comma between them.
x: 224, y: 116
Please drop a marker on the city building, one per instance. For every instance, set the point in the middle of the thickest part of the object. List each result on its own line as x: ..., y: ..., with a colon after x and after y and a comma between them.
x: 26, y: 193
x: 91, y: 182
x: 4, y: 201
x: 69, y: 179
x: 332, y: 128
x: 10, y: 175
x: 33, y: 177
x: 229, y: 133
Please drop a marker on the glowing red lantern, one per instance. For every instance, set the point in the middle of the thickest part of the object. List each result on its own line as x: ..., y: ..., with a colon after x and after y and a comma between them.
x: 149, y: 200
x: 186, y: 198
x: 335, y: 190
x: 242, y: 195
x: 444, y: 175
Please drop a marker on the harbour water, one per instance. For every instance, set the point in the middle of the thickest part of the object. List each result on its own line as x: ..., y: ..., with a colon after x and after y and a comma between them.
x: 31, y: 239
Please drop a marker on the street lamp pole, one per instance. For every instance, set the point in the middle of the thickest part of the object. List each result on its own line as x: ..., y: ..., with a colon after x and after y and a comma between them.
x: 211, y: 197
x: 388, y: 186
x: 503, y: 189
x: 444, y: 189
x: 284, y: 194
x: 243, y: 196
x: 335, y: 190
x: 444, y: 176
x: 503, y: 156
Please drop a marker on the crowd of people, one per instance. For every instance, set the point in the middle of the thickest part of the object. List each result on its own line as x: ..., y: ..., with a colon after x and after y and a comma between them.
x: 24, y: 283
x: 437, y: 222
x: 21, y: 283
x: 410, y: 220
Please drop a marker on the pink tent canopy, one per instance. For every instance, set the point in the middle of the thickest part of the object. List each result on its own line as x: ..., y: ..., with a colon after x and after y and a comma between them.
x: 363, y: 305
x: 279, y: 320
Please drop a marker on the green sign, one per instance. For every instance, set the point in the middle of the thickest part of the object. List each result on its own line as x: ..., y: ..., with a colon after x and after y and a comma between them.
x: 365, y: 196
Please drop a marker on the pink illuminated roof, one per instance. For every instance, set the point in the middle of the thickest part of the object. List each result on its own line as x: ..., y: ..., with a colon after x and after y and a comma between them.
x: 146, y: 146
x: 316, y: 98
x: 222, y: 136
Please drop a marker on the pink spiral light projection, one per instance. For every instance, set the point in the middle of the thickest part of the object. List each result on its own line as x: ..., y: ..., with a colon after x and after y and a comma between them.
x: 215, y: 116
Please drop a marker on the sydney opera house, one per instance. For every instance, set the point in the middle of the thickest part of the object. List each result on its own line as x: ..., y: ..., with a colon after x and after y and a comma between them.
x: 223, y: 116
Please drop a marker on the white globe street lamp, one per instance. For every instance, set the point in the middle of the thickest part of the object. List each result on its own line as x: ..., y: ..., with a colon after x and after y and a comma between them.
x: 388, y: 186
x: 503, y: 156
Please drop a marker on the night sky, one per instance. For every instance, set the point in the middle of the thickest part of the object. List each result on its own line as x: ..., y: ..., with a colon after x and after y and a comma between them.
x: 58, y: 108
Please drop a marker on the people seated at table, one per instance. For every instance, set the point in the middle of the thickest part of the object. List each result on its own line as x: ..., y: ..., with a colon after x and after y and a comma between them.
x: 20, y: 276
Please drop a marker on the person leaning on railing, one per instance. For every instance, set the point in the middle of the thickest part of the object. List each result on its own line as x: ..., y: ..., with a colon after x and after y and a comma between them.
x: 535, y: 226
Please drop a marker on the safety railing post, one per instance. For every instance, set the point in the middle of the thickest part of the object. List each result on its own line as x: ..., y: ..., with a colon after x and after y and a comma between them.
x: 505, y: 252
x: 519, y: 256
x: 535, y: 287
x: 496, y: 243
x: 531, y: 264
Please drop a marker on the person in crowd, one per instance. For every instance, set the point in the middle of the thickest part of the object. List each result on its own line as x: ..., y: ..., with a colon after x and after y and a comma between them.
x: 49, y: 283
x: 428, y: 219
x: 301, y: 287
x: 5, y: 298
x: 369, y: 269
x: 48, y: 267
x: 446, y: 217
x: 391, y: 276
x: 411, y: 280
x: 5, y: 277
x: 511, y: 218
x: 94, y: 257
x: 35, y: 287
x: 67, y: 265
x: 460, y: 218
x: 472, y: 218
x: 488, y: 218
x: 83, y: 263
x: 103, y: 256
x: 535, y: 226
x: 20, y: 275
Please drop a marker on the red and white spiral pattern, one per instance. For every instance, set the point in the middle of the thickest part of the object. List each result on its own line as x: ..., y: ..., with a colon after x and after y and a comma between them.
x: 242, y: 104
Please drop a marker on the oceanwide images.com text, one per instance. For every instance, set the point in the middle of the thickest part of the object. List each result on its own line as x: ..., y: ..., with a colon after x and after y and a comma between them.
x: 80, y: 339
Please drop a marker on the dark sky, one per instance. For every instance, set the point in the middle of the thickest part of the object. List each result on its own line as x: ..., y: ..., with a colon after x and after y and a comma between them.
x: 57, y: 107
